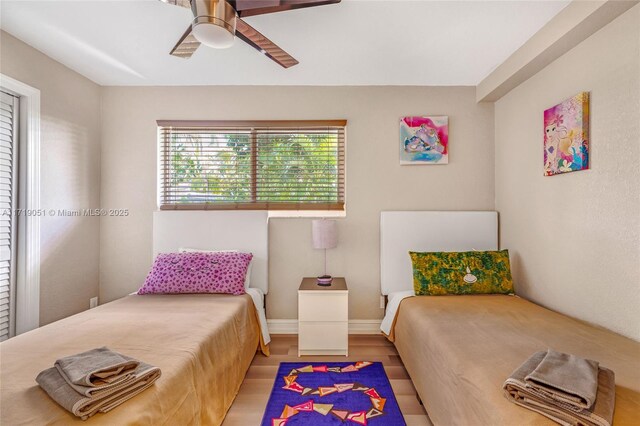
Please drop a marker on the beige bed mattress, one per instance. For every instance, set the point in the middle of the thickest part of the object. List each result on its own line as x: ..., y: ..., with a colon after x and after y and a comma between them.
x: 459, y: 350
x: 202, y: 343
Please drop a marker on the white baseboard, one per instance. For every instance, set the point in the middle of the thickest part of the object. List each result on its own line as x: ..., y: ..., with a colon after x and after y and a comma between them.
x: 282, y: 326
x: 290, y: 326
x: 371, y: 326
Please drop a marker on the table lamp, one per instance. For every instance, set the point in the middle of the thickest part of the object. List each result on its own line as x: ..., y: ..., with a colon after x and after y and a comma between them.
x: 325, y: 236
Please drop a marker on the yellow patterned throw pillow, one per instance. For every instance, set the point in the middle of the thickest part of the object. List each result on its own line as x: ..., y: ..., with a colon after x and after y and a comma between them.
x: 469, y: 272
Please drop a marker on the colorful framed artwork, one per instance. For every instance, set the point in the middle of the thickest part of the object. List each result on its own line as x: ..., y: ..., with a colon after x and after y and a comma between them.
x: 424, y: 140
x: 566, y: 136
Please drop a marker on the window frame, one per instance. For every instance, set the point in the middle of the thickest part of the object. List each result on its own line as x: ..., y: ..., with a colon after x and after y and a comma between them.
x: 28, y: 265
x: 284, y: 209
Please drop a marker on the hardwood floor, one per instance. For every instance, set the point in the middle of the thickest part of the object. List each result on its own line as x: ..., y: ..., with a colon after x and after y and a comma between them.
x: 249, y: 405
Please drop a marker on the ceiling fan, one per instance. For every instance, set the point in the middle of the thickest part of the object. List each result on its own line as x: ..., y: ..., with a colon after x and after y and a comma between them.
x: 216, y: 22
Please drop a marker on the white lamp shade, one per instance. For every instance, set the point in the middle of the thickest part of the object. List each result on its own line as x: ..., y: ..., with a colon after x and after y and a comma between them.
x: 324, y: 233
x: 213, y: 35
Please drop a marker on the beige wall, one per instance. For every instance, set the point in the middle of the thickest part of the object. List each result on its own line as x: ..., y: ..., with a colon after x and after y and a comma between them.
x: 70, y: 176
x: 375, y: 180
x: 575, y: 238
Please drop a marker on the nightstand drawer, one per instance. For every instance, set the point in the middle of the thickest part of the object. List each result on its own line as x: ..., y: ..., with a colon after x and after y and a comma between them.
x: 323, y: 307
x: 323, y: 335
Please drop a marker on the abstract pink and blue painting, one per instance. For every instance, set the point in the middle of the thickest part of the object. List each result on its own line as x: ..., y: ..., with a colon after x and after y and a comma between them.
x: 566, y: 136
x: 424, y: 140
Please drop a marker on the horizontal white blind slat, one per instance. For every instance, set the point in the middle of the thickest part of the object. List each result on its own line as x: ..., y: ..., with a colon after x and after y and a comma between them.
x: 8, y: 105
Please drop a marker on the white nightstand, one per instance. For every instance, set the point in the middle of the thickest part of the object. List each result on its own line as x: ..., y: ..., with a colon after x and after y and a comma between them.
x: 323, y: 318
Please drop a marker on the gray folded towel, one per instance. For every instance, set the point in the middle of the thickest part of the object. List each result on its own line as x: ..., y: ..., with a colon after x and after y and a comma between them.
x: 518, y: 391
x: 96, y: 367
x: 85, y: 401
x: 567, y: 378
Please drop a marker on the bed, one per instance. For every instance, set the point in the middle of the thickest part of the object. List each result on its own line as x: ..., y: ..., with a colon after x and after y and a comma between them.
x: 458, y: 350
x: 203, y: 343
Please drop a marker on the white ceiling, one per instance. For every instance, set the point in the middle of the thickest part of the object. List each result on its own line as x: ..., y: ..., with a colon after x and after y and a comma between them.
x: 356, y: 42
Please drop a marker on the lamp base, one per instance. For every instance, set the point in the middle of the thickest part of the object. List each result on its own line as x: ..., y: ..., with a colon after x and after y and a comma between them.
x: 324, y: 280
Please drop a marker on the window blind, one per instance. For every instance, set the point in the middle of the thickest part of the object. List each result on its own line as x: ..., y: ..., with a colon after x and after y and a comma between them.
x: 8, y: 198
x: 256, y: 165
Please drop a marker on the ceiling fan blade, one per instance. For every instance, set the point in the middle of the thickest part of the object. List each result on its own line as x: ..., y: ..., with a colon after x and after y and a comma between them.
x: 181, y: 3
x: 260, y: 7
x: 186, y: 46
x: 259, y: 42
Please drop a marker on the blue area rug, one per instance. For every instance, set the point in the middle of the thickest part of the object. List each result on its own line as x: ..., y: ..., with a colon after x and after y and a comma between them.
x: 336, y: 393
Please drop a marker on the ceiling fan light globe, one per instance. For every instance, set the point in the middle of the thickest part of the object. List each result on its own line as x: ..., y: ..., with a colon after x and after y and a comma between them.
x: 213, y: 35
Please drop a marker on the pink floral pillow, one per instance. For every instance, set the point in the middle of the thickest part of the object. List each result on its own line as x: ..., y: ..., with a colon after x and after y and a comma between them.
x: 197, y: 272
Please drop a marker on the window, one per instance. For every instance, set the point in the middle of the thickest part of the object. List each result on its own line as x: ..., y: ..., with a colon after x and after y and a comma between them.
x: 8, y: 206
x: 260, y: 165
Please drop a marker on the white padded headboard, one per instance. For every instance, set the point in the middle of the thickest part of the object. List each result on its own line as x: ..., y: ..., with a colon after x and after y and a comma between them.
x: 216, y: 230
x: 401, y: 232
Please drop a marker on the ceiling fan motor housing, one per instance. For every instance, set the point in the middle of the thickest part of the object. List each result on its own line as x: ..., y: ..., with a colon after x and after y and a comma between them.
x: 214, y: 23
